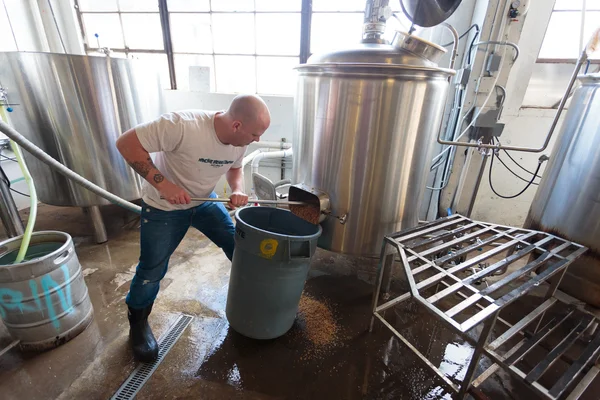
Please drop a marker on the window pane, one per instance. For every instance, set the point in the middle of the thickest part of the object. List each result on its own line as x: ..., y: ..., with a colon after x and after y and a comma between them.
x: 278, y: 5
x: 233, y: 5
x: 234, y: 33
x: 8, y: 41
x: 278, y: 34
x: 393, y: 25
x: 191, y: 33
x: 142, y: 31
x: 98, y: 5
x: 138, y: 5
x: 188, y: 5
x: 339, y: 5
x: 349, y: 5
x: 592, y: 5
x: 592, y: 22
x: 276, y: 75
x: 347, y: 32
x: 108, y: 28
x: 560, y: 42
x: 235, y: 74
x: 155, y: 63
x: 568, y: 4
x: 183, y: 62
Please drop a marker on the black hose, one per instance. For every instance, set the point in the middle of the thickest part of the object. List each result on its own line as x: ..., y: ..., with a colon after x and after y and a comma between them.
x: 4, y: 177
x: 471, y: 47
x: 463, y: 35
x: 522, y: 191
x: 513, y: 172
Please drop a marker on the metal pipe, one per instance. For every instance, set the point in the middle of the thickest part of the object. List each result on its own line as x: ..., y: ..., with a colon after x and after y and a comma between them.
x: 582, y: 59
x: 511, y: 44
x: 97, y: 223
x: 455, y: 47
x: 9, y: 212
x: 45, y: 158
x: 374, y: 20
x: 226, y: 200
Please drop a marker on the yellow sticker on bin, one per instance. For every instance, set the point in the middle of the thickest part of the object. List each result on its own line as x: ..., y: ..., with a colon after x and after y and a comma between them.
x: 268, y: 248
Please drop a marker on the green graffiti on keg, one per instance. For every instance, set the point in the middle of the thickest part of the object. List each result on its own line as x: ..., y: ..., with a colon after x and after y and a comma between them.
x: 14, y: 300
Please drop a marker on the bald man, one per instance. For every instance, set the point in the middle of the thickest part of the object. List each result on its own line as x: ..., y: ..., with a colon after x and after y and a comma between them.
x: 194, y: 148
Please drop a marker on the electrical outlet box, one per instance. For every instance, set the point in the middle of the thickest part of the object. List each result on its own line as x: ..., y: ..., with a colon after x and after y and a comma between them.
x: 488, y: 118
x: 493, y: 63
x: 462, y: 77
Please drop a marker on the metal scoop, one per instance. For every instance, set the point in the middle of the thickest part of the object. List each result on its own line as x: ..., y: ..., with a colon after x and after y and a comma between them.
x: 303, y: 209
x: 275, y: 202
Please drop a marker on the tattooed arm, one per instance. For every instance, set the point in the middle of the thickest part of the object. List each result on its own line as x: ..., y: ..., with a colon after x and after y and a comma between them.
x: 139, y: 159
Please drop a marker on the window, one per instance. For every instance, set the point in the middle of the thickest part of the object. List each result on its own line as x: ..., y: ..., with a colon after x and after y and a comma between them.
x: 571, y: 25
x: 9, y: 42
x: 338, y: 24
x: 225, y: 45
x: 244, y: 45
x: 130, y: 28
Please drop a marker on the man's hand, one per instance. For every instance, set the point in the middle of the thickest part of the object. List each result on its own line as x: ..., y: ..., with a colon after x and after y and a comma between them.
x: 238, y: 199
x: 173, y: 193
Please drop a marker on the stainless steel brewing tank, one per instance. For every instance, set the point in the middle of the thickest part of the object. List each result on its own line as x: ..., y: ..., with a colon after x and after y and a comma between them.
x: 74, y: 108
x: 567, y: 201
x: 366, y: 121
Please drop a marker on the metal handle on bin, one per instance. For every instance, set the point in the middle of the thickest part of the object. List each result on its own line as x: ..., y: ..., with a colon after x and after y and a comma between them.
x: 64, y: 255
x: 304, y: 252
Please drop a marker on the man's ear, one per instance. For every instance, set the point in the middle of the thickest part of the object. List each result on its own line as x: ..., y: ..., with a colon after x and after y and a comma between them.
x: 236, y: 126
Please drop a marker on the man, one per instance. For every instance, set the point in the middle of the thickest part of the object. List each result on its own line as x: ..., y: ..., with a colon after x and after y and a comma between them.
x: 194, y: 149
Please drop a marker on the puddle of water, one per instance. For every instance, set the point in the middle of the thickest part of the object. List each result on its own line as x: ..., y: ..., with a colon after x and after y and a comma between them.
x: 456, y: 360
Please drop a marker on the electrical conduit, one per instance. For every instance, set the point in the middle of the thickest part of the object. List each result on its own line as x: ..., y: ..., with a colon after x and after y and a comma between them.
x: 45, y: 158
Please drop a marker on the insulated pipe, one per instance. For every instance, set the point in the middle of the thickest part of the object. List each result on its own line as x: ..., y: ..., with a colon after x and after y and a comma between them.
x: 263, y: 147
x: 272, y: 145
x: 251, y: 156
x: 45, y: 158
x: 270, y: 154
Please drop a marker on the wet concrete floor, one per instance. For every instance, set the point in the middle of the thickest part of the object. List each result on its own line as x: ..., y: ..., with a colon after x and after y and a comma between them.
x: 328, y: 353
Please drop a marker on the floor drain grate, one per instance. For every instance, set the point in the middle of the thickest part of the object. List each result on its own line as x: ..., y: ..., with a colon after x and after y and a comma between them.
x: 143, y: 371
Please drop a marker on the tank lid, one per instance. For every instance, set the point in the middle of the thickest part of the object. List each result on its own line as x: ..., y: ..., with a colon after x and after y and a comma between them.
x: 428, y: 13
x: 405, y: 49
x: 590, y: 78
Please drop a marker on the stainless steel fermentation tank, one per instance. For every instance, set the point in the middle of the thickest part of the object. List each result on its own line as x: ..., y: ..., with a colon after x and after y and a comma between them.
x: 74, y: 108
x: 567, y: 201
x: 366, y: 120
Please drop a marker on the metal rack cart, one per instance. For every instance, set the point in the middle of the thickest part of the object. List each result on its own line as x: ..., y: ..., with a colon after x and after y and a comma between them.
x: 445, y: 263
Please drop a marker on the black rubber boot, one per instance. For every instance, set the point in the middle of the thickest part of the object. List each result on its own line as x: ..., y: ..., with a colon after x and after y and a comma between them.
x: 142, y: 340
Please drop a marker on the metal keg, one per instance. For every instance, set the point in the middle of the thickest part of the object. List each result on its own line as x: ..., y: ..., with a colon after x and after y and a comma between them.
x: 44, y: 301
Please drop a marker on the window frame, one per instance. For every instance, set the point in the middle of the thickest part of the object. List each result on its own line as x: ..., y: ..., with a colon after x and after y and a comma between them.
x: 164, y: 13
x: 306, y: 13
x: 582, y: 39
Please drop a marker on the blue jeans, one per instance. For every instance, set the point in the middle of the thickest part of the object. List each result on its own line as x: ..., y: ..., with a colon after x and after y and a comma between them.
x: 160, y: 234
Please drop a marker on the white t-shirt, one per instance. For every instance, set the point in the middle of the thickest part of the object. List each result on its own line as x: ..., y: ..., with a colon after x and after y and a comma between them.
x: 189, y: 154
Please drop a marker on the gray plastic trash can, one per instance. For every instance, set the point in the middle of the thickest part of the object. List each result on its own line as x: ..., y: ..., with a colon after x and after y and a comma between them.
x: 273, y: 249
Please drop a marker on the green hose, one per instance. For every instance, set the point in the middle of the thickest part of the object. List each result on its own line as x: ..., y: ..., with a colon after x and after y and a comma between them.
x: 32, y: 193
